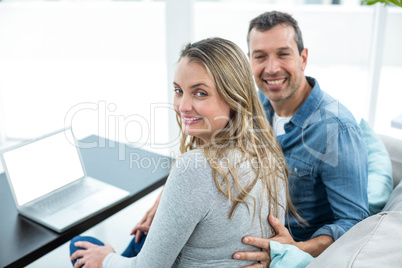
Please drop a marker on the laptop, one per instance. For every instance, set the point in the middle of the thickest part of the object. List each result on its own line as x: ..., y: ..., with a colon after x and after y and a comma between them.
x: 50, y: 185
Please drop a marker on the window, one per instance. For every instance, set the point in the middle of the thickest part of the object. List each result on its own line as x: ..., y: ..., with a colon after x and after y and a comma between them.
x: 96, y: 65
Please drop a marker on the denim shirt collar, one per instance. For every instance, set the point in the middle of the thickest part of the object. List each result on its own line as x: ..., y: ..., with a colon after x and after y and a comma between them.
x: 304, y: 112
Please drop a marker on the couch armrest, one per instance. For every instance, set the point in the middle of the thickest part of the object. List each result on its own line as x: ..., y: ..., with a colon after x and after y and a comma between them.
x: 374, y: 242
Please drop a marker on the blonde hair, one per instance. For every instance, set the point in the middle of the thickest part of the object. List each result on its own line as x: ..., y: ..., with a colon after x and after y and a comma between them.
x: 248, y: 128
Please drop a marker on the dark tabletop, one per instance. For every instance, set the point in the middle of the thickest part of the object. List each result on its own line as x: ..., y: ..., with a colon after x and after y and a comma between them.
x: 138, y: 171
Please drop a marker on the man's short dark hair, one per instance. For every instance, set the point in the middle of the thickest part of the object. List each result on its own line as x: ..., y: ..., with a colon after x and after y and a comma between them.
x: 268, y: 20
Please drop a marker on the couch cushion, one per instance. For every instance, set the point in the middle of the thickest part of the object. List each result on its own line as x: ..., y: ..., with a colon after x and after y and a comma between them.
x: 380, y: 183
x: 395, y: 201
x: 374, y: 242
x: 394, y: 148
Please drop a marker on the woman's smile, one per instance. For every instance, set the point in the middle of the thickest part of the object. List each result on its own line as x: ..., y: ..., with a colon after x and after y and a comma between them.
x: 191, y: 120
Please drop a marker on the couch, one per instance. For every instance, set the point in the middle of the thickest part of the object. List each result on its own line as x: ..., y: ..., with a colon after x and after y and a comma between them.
x: 377, y: 240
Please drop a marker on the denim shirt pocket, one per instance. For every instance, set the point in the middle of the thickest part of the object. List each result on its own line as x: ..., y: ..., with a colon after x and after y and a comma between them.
x: 301, y: 182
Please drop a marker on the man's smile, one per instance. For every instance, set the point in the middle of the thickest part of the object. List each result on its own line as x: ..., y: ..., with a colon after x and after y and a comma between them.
x: 275, y: 82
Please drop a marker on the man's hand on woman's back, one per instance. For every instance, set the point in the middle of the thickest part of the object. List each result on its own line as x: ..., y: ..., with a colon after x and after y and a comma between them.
x: 144, y: 225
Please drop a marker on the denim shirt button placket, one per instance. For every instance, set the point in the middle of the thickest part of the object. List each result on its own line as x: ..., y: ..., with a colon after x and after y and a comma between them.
x: 288, y: 127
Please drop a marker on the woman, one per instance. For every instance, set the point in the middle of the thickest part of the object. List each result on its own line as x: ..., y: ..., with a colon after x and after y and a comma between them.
x: 230, y: 176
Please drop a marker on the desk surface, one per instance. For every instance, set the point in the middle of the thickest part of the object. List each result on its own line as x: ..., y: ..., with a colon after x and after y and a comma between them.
x: 138, y: 171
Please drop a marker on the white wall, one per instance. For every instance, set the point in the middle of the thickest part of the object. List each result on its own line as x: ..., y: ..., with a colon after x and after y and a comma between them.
x: 109, y: 58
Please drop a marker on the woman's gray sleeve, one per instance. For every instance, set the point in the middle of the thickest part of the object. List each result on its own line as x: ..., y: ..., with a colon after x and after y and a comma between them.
x: 182, y: 206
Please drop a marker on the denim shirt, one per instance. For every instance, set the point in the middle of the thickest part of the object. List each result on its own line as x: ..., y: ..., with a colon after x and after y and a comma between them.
x: 327, y: 160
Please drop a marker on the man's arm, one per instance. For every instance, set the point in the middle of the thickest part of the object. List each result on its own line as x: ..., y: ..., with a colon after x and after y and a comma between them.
x: 346, y: 187
x: 314, y: 246
x: 345, y: 176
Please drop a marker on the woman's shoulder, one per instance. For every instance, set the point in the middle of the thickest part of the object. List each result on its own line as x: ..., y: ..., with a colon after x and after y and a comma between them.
x: 195, y: 160
x: 192, y: 172
x: 192, y: 161
x: 197, y: 157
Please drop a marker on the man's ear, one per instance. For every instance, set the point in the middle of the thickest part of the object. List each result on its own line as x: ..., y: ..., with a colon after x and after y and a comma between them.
x: 304, y: 57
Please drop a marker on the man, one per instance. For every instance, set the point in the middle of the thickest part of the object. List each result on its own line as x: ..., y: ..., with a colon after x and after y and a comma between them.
x: 321, y: 141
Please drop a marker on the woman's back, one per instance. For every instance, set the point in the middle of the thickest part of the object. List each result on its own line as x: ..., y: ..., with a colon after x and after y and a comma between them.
x: 192, y: 227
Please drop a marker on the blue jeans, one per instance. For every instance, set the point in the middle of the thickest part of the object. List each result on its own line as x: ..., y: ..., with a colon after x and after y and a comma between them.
x: 132, y: 249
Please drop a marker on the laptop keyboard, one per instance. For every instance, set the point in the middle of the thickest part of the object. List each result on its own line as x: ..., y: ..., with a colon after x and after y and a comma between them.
x: 64, y: 198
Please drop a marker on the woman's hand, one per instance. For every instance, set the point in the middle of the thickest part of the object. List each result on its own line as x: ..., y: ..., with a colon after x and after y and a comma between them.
x: 91, y: 256
x: 144, y: 225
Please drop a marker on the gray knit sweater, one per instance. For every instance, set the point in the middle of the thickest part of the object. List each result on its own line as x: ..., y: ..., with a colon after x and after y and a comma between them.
x: 191, y: 227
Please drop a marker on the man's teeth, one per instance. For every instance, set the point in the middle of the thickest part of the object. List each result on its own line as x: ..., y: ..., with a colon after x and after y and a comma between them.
x: 193, y: 118
x: 275, y: 82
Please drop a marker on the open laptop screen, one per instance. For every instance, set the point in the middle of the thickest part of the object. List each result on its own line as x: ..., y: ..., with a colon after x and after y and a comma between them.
x: 42, y: 166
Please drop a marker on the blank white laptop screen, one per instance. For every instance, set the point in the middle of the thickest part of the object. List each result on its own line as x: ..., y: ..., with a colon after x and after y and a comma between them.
x: 43, y: 166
